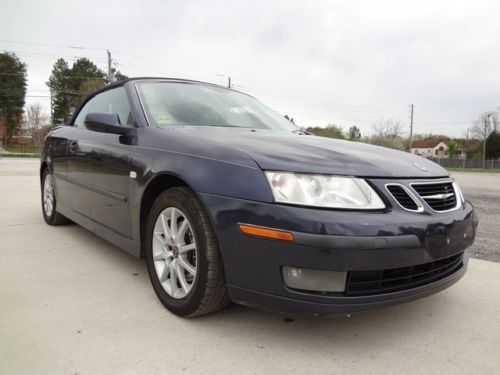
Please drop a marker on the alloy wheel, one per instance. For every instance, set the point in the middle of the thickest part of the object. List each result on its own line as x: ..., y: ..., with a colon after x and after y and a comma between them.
x: 48, y: 195
x: 174, y: 252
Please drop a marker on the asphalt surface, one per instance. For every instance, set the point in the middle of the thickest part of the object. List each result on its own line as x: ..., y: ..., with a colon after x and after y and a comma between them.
x: 71, y: 303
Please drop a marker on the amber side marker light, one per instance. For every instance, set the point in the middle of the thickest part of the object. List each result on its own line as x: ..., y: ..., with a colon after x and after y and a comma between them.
x: 269, y: 233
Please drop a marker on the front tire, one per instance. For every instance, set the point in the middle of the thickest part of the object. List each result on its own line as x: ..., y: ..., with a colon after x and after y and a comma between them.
x: 183, y: 258
x: 49, y: 202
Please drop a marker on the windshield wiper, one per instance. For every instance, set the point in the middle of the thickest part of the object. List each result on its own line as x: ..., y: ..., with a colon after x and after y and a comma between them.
x: 228, y: 126
x: 301, y: 132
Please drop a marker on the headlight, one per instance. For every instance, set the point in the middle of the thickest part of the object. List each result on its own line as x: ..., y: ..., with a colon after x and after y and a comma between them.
x: 323, y: 191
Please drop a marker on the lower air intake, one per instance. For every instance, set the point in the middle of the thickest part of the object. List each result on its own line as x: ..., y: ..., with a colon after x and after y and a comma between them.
x: 361, y: 283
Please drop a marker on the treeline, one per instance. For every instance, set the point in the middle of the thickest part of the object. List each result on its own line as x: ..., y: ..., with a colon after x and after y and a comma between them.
x: 13, y: 84
x: 485, y: 133
x: 68, y: 85
x: 385, y: 132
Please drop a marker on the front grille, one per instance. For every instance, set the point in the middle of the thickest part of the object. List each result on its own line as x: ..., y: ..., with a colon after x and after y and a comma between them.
x: 361, y: 283
x: 402, y: 196
x: 439, y: 196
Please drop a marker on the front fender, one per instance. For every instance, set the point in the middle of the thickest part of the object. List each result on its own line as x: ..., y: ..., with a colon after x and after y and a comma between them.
x: 207, y: 167
x: 203, y: 175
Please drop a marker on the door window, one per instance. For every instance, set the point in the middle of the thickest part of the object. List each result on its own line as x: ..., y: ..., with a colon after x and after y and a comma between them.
x: 110, y: 101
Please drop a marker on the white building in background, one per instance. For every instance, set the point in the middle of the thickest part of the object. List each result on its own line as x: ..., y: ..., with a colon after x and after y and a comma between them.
x: 430, y: 148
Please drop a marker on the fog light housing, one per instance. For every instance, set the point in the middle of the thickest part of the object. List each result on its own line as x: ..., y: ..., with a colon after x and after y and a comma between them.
x: 314, y: 280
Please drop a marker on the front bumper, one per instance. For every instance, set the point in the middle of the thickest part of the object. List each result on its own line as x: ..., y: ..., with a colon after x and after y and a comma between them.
x: 334, y: 241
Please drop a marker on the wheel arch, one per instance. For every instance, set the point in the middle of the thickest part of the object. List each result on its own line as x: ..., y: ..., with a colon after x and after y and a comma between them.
x: 43, y: 166
x: 153, y: 189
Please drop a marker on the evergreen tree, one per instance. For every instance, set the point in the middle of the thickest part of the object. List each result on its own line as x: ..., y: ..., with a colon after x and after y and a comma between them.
x: 453, y: 148
x: 12, y: 93
x: 60, y: 87
x: 354, y: 133
x: 70, y: 85
x: 118, y: 75
x: 493, y: 145
x: 331, y: 131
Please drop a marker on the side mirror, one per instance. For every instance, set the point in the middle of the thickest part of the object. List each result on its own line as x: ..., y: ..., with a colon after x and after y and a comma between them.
x: 107, y: 123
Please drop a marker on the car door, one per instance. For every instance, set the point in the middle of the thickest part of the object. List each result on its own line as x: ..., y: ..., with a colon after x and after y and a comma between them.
x: 98, y: 167
x: 57, y: 147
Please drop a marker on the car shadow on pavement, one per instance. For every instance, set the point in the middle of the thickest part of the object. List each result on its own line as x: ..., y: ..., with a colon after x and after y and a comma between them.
x: 398, y: 325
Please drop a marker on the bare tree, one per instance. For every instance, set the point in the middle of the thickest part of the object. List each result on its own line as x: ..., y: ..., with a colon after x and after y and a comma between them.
x: 387, y: 128
x: 36, y: 123
x: 388, y: 133
x: 482, y: 128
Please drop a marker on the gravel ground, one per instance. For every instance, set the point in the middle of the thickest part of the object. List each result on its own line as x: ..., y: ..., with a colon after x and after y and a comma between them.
x: 483, y: 190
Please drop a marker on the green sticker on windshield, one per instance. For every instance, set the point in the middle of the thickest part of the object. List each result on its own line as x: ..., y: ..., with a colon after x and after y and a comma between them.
x: 164, y: 119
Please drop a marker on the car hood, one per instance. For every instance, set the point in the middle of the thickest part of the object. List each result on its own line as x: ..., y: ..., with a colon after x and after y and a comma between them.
x: 284, y: 151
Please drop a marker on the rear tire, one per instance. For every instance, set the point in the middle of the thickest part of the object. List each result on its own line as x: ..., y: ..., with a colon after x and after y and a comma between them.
x: 49, y: 202
x: 182, y: 253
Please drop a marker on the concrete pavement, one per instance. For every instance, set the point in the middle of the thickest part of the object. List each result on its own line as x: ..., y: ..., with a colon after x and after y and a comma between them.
x: 73, y: 304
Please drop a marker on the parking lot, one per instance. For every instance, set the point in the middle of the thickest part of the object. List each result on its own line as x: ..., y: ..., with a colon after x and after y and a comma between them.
x: 71, y: 303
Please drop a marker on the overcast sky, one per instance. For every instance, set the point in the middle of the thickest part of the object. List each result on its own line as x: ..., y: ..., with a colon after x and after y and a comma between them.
x: 343, y: 62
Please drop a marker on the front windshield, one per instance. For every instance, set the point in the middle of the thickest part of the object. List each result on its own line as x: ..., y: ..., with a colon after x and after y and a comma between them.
x: 178, y: 103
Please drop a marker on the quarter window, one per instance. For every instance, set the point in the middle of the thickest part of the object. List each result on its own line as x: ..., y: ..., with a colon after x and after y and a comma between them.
x: 110, y: 101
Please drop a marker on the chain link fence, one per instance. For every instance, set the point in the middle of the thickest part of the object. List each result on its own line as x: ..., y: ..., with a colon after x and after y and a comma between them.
x: 20, y: 151
x: 468, y: 163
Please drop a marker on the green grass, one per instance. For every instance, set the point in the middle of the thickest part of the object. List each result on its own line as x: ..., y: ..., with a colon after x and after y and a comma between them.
x: 20, y: 152
x: 21, y: 149
x: 16, y: 155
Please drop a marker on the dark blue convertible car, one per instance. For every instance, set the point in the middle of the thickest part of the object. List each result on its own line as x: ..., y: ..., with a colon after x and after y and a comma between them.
x: 229, y: 201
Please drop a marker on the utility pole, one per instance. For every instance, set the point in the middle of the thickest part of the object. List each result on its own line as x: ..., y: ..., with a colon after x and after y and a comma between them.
x: 411, y: 125
x: 110, y: 74
x: 486, y: 124
x: 51, y: 107
x: 228, y: 82
x: 466, y: 148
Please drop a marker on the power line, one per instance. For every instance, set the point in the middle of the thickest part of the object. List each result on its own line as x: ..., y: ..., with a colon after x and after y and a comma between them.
x: 70, y: 76
x: 183, y: 67
x: 169, y: 72
x: 316, y: 93
x: 265, y: 84
x: 312, y: 100
x: 367, y: 103
x: 340, y: 108
x: 49, y: 45
x: 12, y: 97
x: 149, y: 68
x: 436, y: 119
x: 169, y: 64
x: 53, y: 55
x: 444, y: 122
x: 19, y: 96
x: 363, y: 107
x: 344, y: 114
x: 333, y: 117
